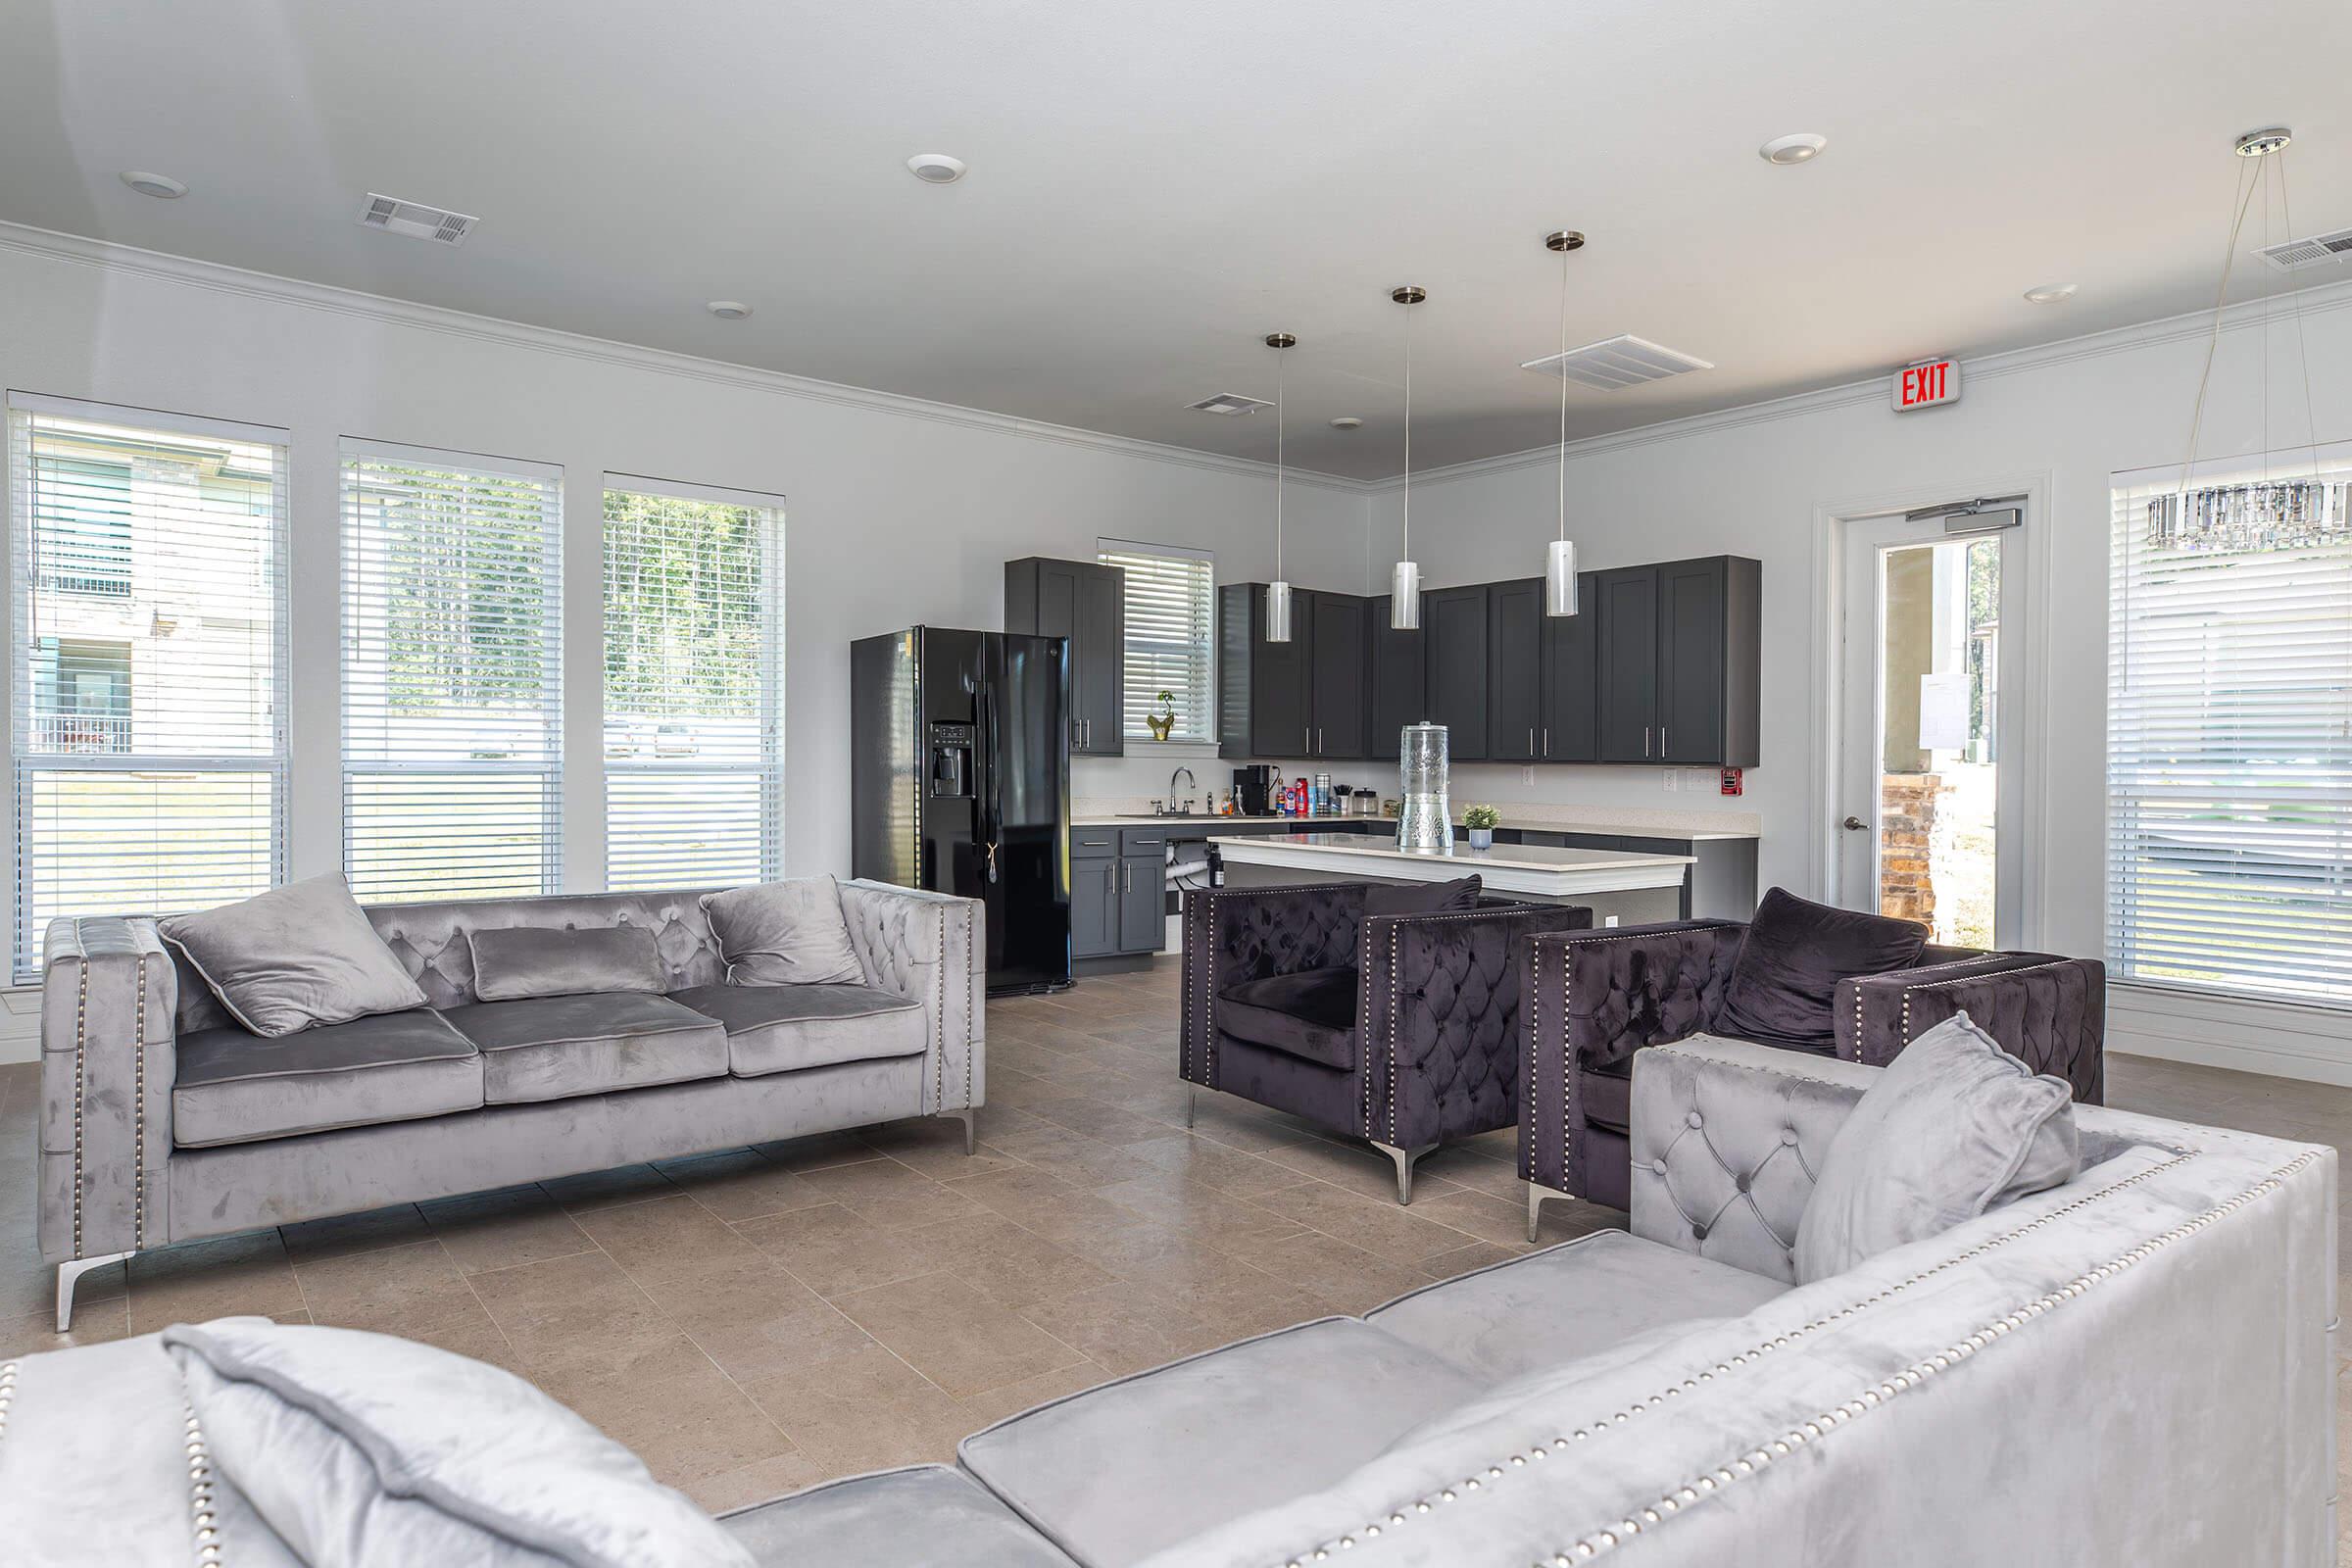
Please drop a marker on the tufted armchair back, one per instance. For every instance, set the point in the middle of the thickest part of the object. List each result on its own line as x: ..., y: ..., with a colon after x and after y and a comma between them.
x: 430, y: 940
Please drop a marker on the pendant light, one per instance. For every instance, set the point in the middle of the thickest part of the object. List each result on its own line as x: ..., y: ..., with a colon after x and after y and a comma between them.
x: 1404, y: 583
x: 1559, y: 560
x: 1278, y: 592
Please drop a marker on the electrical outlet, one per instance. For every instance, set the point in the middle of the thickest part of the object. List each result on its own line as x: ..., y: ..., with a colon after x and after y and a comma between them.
x: 1608, y: 919
x: 1673, y: 779
x: 1527, y: 775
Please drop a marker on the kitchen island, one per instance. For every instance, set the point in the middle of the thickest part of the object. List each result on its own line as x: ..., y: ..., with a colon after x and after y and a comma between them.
x: 1631, y: 886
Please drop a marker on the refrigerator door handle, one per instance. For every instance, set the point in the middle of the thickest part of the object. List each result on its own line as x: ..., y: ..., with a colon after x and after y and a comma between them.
x: 983, y: 788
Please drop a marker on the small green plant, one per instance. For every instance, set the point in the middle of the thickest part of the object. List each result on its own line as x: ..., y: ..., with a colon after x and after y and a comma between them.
x: 1164, y: 722
x: 1481, y: 816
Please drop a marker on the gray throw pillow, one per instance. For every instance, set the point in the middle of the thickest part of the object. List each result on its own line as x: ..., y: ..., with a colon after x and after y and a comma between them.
x: 543, y: 962
x: 376, y: 1452
x: 784, y: 934
x: 1953, y: 1127
x: 293, y: 958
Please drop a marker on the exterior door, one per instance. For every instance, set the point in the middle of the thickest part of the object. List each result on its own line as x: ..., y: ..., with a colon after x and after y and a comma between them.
x: 1930, y: 792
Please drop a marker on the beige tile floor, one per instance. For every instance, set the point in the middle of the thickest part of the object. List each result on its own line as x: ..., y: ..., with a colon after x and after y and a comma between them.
x: 754, y: 1321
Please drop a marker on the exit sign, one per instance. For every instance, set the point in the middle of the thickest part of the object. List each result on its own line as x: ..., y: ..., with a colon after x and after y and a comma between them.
x: 1926, y: 383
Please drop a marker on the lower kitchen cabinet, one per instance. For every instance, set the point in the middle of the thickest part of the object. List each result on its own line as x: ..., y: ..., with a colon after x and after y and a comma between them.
x: 1093, y: 907
x: 1142, y: 904
x: 1118, y: 891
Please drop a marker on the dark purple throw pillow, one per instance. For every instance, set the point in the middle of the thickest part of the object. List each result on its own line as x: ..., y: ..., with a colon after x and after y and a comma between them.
x: 1794, y: 954
x: 1421, y: 897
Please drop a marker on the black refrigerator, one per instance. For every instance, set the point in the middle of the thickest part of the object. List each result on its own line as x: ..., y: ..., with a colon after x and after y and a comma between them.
x: 959, y: 782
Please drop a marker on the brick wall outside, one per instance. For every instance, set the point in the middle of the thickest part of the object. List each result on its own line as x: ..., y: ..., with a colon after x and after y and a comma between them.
x: 1908, y: 804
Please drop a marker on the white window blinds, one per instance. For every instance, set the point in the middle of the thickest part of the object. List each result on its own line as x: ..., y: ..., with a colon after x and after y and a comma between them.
x: 452, y: 726
x: 1171, y: 636
x: 2229, y: 730
x: 148, y: 662
x: 694, y: 671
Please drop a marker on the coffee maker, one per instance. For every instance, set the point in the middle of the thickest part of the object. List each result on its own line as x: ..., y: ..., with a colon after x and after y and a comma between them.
x: 1253, y: 790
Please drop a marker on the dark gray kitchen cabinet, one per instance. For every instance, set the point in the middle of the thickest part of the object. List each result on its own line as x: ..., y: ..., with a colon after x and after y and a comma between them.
x: 1095, y: 908
x: 1453, y: 624
x: 1336, y: 632
x: 1399, y: 669
x: 1142, y: 904
x: 1571, y: 680
x: 1679, y: 647
x: 1084, y: 602
x: 1264, y: 696
x: 1515, y: 670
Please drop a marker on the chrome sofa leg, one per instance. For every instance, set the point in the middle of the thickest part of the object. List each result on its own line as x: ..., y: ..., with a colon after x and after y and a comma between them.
x: 970, y: 1121
x: 69, y: 1275
x: 1191, y: 1102
x: 1404, y: 1158
x: 1535, y: 1193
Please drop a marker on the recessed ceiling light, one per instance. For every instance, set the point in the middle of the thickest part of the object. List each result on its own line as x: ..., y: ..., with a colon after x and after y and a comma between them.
x: 2050, y: 293
x: 1801, y: 148
x: 147, y: 183
x: 728, y: 310
x: 936, y: 169
x: 1346, y: 422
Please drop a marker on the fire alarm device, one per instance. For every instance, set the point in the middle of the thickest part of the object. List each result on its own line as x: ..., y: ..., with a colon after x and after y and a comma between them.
x: 1732, y: 784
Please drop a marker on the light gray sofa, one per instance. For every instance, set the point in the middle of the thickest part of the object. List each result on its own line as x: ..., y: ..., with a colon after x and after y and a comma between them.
x: 163, y: 1120
x: 2133, y: 1368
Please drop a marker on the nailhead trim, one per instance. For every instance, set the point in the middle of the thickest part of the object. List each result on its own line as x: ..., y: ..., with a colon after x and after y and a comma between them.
x: 138, y: 1117
x: 82, y: 1015
x: 1601, y: 1541
x: 7, y: 1391
x: 204, y: 1516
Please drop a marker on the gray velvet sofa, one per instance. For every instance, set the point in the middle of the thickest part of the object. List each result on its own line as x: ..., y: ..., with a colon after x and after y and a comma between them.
x: 163, y: 1120
x: 2136, y: 1367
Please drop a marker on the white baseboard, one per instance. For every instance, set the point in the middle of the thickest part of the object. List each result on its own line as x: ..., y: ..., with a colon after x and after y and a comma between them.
x: 2280, y: 1039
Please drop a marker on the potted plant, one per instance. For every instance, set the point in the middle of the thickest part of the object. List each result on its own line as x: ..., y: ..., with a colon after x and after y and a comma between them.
x: 1164, y: 720
x: 1481, y: 820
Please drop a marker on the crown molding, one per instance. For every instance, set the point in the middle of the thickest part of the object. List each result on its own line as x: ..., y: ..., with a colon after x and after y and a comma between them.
x: 219, y: 278
x: 2241, y: 317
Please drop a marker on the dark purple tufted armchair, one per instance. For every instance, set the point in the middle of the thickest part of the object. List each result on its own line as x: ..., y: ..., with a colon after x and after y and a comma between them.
x: 1595, y: 997
x: 1402, y: 1029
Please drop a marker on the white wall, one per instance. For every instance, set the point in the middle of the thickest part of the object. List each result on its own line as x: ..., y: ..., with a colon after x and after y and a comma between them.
x: 1760, y: 482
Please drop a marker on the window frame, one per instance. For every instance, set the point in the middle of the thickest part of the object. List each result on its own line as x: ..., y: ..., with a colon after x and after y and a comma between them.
x: 1201, y: 699
x: 273, y: 765
x: 771, y: 768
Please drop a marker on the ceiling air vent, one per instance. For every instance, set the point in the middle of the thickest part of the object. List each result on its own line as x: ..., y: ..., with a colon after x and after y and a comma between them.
x: 415, y: 220
x: 1617, y: 362
x: 2297, y: 252
x: 1229, y: 403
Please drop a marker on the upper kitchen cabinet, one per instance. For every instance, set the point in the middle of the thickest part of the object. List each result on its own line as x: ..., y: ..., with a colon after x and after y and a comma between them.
x: 1543, y: 689
x: 1678, y: 650
x: 1453, y: 623
x: 1305, y: 698
x: 1084, y: 602
x: 1399, y: 679
x: 1570, y: 649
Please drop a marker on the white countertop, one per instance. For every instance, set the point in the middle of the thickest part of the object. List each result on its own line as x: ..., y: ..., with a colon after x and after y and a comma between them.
x: 1505, y: 868
x: 1629, y: 824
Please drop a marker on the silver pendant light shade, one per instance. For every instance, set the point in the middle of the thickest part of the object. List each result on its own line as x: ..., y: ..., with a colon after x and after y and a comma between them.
x: 1559, y: 560
x: 1278, y: 592
x: 1404, y: 583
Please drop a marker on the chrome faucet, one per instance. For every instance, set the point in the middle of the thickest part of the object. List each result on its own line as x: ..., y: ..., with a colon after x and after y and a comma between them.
x: 1186, y: 774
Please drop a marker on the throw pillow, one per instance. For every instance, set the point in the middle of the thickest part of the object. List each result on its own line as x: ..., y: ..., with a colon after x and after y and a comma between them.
x: 371, y: 1451
x: 1952, y: 1128
x: 1421, y: 897
x: 784, y: 934
x: 1789, y: 962
x: 538, y: 962
x: 293, y: 958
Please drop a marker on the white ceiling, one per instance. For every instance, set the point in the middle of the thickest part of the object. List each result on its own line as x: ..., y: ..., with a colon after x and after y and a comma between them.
x: 1154, y: 187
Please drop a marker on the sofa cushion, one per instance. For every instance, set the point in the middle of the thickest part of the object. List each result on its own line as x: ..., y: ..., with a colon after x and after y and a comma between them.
x: 1535, y: 1312
x: 235, y: 1086
x: 518, y: 962
x: 785, y: 1028
x: 1204, y: 1440
x: 365, y: 1448
x: 557, y: 1047
x: 1310, y: 1014
x: 929, y: 1514
x: 1789, y: 962
x: 1421, y: 897
x: 293, y: 958
x: 1953, y: 1127
x: 784, y: 934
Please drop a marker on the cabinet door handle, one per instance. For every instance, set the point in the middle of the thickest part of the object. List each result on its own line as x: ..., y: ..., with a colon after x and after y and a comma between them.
x: 1646, y: 739
x: 1126, y: 878
x: 1547, y: 740
x: 1531, y: 743
x: 1661, y: 740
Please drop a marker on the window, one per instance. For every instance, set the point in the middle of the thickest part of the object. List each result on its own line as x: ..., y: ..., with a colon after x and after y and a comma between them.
x: 1171, y: 636
x: 694, y: 673
x: 2229, y: 730
x: 452, y: 730
x: 148, y: 747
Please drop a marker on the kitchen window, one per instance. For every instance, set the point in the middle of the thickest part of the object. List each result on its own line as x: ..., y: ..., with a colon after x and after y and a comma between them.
x: 452, y: 688
x: 2229, y: 728
x: 148, y: 744
x: 694, y: 677
x: 1171, y: 636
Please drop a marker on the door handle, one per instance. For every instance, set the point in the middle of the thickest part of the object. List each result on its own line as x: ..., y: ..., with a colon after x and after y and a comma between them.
x: 1854, y: 824
x: 1531, y: 743
x: 1646, y: 739
x: 1661, y: 740
x: 1547, y: 742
